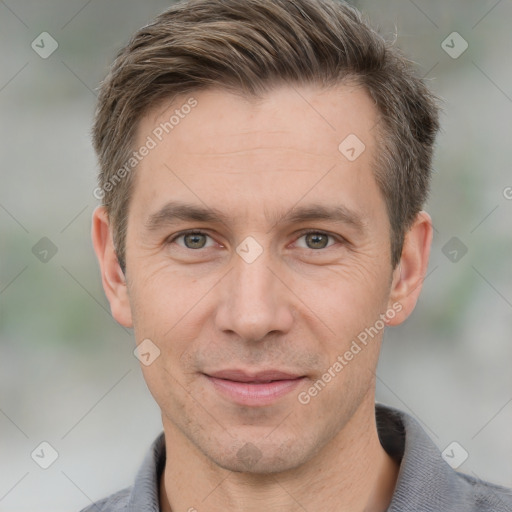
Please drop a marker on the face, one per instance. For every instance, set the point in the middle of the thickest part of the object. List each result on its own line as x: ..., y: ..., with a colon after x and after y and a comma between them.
x: 257, y: 254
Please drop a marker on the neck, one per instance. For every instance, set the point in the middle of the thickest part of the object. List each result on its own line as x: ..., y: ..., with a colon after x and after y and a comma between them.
x: 351, y: 473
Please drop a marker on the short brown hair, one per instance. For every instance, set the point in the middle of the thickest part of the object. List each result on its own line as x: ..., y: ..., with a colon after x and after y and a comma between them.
x: 249, y: 46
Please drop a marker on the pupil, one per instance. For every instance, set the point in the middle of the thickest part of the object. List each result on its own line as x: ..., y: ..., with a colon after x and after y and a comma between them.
x: 194, y: 241
x: 317, y: 240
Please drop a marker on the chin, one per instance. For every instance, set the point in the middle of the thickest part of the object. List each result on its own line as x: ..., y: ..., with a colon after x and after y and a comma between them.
x: 253, y: 462
x: 260, y: 457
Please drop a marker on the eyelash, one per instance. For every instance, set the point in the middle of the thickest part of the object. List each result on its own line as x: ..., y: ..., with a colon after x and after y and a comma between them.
x: 301, y: 234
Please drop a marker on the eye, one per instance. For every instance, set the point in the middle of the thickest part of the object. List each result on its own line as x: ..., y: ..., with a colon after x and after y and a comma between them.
x: 316, y: 240
x: 191, y: 239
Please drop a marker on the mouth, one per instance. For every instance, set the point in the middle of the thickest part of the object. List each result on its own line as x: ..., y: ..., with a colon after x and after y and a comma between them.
x: 253, y: 388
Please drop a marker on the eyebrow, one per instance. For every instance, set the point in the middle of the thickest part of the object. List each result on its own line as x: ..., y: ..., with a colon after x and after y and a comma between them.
x: 174, y: 211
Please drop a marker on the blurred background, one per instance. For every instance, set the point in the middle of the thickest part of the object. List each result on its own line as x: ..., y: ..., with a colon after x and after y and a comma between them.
x: 68, y: 376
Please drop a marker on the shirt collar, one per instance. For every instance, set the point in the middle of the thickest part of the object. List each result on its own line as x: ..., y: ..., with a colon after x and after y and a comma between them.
x: 144, y: 495
x: 425, y: 481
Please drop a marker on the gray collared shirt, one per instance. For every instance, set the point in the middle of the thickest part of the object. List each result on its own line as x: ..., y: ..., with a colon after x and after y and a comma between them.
x: 426, y: 483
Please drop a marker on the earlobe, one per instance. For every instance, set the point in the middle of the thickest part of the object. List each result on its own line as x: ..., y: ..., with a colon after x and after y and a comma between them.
x: 409, y: 274
x: 112, y: 277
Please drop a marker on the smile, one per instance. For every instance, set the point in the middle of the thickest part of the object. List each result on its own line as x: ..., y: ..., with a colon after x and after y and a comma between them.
x: 262, y: 388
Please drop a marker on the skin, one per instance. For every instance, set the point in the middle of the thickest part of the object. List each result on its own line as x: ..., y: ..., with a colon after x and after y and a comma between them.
x: 296, y: 308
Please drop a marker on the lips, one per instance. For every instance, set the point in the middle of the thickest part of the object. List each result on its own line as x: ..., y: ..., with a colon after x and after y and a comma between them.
x: 256, y: 377
x: 253, y: 388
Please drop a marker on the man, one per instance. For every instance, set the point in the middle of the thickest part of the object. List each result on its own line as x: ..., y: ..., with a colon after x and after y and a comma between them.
x: 263, y: 169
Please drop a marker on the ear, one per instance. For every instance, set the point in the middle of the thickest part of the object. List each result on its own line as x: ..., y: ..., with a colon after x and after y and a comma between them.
x: 112, y: 277
x: 409, y: 274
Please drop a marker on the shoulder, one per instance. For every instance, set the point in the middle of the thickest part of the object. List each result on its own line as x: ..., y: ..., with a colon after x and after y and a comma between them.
x: 116, y: 502
x: 426, y: 481
x: 488, y: 497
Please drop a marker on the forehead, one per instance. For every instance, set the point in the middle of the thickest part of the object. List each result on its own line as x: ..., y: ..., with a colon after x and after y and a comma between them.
x: 217, y: 121
x: 214, y: 144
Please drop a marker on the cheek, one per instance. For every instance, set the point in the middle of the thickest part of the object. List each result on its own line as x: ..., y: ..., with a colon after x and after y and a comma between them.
x: 161, y: 299
x: 171, y: 309
x: 348, y: 298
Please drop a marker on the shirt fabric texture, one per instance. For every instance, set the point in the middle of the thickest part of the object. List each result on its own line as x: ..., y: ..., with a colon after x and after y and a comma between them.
x: 426, y: 483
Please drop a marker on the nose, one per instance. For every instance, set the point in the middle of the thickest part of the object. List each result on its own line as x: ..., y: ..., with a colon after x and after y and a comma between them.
x: 255, y: 300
